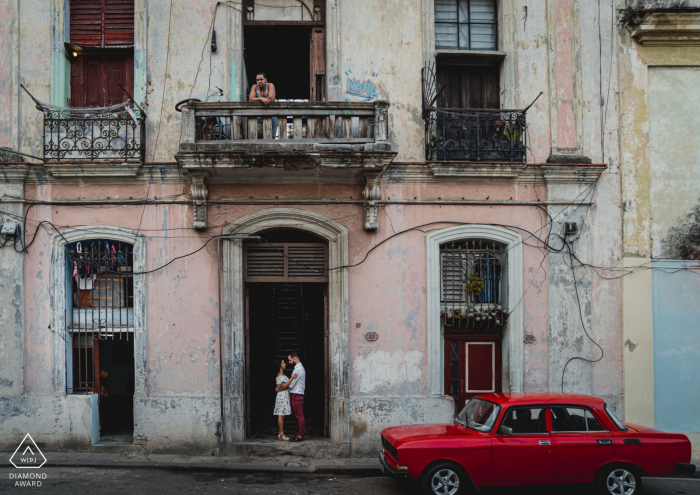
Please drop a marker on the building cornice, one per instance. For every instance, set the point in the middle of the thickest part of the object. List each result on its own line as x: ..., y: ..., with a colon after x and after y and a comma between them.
x: 668, y: 29
x: 13, y: 173
x: 394, y: 173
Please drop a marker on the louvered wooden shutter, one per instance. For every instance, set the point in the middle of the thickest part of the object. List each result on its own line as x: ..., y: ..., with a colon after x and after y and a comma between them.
x: 453, y: 268
x: 102, y: 23
x: 286, y: 262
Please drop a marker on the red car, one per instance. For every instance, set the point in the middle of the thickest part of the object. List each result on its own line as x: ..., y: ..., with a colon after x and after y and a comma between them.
x: 533, y: 438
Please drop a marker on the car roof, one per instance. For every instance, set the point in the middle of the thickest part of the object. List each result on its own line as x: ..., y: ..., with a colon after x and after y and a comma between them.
x: 524, y: 398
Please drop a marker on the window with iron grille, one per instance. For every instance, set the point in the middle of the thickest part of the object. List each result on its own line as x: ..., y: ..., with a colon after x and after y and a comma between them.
x: 99, y: 306
x: 473, y: 287
x: 465, y: 25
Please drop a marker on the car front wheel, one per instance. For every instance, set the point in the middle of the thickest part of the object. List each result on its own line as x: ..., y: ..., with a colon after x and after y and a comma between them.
x: 617, y: 480
x: 445, y: 479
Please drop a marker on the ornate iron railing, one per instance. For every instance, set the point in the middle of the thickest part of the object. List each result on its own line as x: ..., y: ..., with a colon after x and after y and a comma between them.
x: 475, y: 135
x: 109, y: 135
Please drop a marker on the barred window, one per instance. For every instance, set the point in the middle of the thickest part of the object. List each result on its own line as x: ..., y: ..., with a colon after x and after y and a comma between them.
x: 472, y: 286
x: 465, y: 25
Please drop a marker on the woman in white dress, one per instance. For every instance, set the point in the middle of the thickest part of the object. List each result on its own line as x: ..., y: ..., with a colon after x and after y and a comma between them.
x: 283, y: 406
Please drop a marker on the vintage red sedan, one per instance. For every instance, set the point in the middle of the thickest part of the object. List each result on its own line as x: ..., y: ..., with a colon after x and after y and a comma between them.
x: 533, y: 438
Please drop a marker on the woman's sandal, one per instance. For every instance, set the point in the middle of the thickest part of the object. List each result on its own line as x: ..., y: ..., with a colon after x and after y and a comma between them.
x: 282, y: 438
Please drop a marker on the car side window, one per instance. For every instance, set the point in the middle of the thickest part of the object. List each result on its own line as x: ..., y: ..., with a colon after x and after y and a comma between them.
x: 526, y: 420
x: 592, y: 422
x: 574, y: 419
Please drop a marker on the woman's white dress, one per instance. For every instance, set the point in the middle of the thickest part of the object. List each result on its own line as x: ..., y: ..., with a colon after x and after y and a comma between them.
x: 283, y: 406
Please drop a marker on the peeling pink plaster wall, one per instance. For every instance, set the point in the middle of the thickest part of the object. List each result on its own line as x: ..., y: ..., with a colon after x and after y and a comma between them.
x: 387, y: 292
x: 563, y: 55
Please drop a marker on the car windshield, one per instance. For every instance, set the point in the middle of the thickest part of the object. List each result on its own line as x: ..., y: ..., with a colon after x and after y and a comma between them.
x: 620, y: 425
x: 479, y: 415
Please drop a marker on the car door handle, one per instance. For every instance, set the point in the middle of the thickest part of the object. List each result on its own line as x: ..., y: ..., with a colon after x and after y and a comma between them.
x: 545, y: 442
x: 632, y: 441
x: 605, y: 441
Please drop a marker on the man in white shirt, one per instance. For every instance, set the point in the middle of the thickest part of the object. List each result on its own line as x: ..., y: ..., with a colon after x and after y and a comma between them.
x: 296, y: 389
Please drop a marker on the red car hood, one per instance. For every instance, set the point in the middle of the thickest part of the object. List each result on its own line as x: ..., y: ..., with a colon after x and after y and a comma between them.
x: 397, y: 434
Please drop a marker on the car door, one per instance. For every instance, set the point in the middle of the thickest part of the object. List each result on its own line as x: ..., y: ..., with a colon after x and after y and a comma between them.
x: 526, y: 455
x: 581, y: 443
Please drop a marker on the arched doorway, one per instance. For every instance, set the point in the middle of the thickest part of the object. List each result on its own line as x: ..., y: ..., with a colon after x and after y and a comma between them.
x: 235, y: 360
x: 286, y: 293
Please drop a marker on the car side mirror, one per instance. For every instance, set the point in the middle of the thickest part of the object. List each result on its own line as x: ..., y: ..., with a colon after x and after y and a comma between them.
x: 505, y: 430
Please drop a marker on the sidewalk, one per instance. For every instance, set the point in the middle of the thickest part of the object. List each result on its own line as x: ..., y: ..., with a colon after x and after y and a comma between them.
x: 364, y: 466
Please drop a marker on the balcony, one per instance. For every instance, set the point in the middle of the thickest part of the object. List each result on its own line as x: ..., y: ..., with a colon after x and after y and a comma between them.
x: 285, y: 142
x: 218, y: 136
x: 476, y: 135
x: 75, y: 140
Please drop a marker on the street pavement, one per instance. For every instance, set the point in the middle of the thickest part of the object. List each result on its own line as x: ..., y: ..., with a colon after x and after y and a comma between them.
x: 71, y: 480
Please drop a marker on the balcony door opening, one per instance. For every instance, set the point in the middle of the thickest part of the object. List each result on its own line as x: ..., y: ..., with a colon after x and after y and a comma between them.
x: 286, y: 300
x: 474, y: 317
x: 100, y: 322
x: 102, y: 51
x: 467, y: 87
x: 292, y: 57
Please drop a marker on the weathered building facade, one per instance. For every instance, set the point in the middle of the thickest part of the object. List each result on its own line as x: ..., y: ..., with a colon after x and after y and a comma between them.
x: 659, y: 82
x: 419, y: 222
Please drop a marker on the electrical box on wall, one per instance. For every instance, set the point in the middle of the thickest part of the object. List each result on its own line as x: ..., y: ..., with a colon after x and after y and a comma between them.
x: 9, y: 228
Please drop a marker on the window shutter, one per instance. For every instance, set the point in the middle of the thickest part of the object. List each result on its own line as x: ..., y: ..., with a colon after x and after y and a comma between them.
x: 453, y: 273
x: 86, y: 23
x: 119, y: 23
x: 264, y: 262
x: 286, y: 262
x: 102, y: 23
x: 306, y: 261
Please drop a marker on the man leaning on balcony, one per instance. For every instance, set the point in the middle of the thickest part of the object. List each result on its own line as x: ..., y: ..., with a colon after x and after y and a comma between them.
x: 265, y: 93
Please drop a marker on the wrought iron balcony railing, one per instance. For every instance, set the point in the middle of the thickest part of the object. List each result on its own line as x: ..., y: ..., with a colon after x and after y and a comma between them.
x: 114, y: 133
x: 475, y: 135
x: 218, y: 125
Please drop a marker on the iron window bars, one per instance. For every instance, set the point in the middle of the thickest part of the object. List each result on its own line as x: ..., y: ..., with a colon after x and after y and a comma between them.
x: 465, y: 24
x: 99, y: 306
x: 472, y: 289
x: 103, y: 135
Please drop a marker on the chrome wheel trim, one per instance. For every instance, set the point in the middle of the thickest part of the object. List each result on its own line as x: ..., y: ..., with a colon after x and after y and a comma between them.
x: 445, y: 482
x: 621, y: 482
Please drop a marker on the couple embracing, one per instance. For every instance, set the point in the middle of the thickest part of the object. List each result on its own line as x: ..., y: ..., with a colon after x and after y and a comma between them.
x: 293, y: 387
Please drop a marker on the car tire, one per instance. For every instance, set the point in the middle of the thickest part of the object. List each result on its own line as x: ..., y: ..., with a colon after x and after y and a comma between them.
x: 619, y: 480
x: 446, y: 478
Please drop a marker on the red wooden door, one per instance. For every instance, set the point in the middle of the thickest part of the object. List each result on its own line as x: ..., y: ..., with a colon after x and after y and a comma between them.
x: 472, y: 367
x: 95, y: 80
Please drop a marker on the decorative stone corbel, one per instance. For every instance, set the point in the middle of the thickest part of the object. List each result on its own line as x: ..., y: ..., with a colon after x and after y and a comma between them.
x: 199, y: 193
x: 371, y: 194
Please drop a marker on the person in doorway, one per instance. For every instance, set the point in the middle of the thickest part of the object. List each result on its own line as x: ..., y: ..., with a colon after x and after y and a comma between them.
x: 283, y: 406
x: 265, y: 93
x: 296, y: 388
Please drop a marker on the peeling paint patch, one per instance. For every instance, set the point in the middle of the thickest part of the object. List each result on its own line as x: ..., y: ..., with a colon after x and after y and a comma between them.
x: 382, y: 369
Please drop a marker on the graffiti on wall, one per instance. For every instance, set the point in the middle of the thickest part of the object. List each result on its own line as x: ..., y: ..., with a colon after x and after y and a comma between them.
x: 360, y: 89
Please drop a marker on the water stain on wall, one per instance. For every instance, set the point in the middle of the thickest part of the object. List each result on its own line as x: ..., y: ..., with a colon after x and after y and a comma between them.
x: 683, y: 240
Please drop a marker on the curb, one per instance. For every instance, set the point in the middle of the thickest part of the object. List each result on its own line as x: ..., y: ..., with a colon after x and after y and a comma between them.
x: 223, y: 468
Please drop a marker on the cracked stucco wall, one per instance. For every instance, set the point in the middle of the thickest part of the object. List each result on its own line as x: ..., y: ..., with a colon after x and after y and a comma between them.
x: 659, y: 112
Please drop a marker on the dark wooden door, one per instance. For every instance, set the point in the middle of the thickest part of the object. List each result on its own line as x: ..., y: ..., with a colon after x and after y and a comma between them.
x: 95, y: 80
x: 467, y: 87
x: 472, y: 367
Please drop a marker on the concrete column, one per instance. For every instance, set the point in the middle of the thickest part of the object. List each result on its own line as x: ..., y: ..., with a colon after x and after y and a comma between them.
x: 567, y: 336
x: 638, y: 342
x: 11, y: 301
